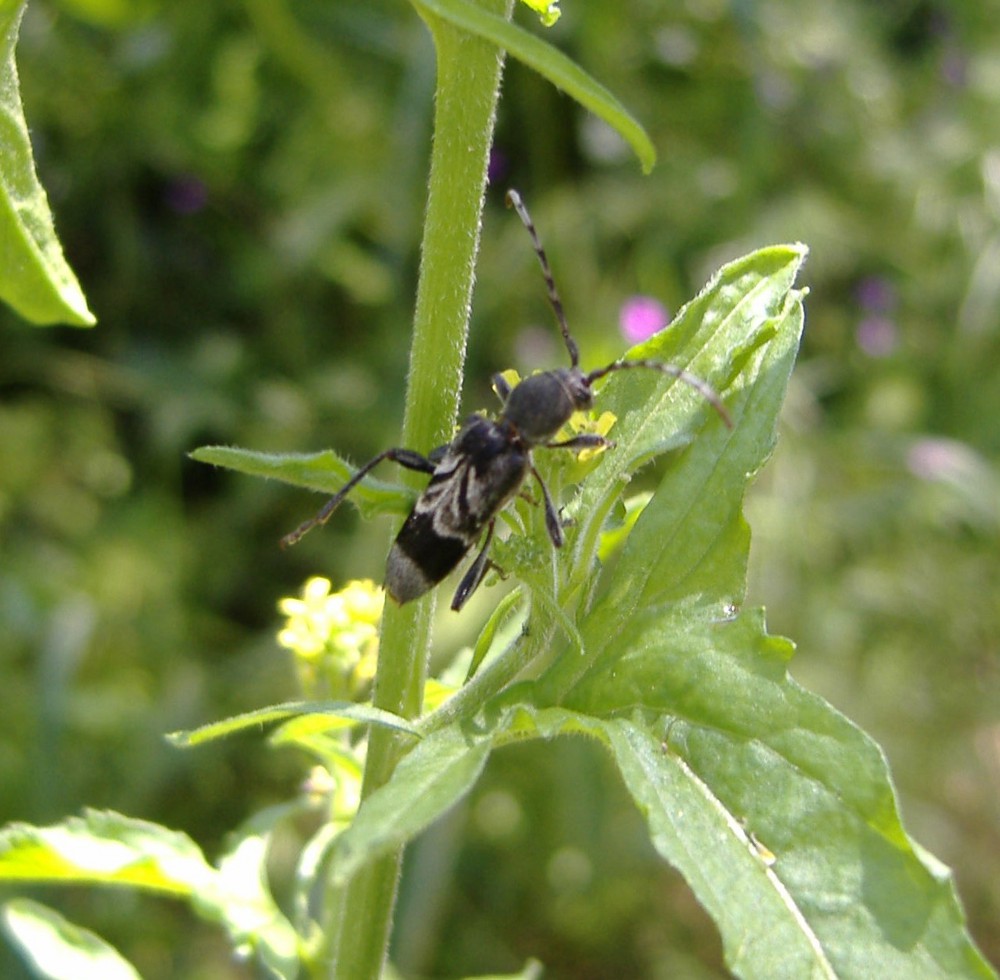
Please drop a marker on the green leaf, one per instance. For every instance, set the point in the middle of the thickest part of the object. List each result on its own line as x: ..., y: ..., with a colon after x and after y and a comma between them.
x: 742, y: 334
x: 331, y: 711
x: 738, y: 754
x: 34, y: 277
x: 439, y: 771
x: 57, y: 949
x: 489, y: 630
x: 533, y: 970
x: 325, y: 471
x: 780, y: 813
x: 615, y: 536
x: 518, y: 722
x: 241, y: 900
x: 550, y: 63
x: 764, y: 932
x: 721, y: 336
x: 548, y: 10
x: 104, y: 848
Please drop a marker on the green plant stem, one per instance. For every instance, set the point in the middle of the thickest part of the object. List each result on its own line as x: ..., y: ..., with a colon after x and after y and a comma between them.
x: 486, y: 685
x: 358, y: 915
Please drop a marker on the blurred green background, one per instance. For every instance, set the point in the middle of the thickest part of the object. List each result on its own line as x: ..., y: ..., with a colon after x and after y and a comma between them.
x: 239, y: 186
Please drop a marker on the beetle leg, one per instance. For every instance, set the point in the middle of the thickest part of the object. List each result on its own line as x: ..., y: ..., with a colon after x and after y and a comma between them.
x: 586, y: 440
x: 405, y: 457
x: 477, y: 572
x: 552, y: 523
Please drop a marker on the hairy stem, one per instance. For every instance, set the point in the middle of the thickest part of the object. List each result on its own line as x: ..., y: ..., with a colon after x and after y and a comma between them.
x: 358, y: 915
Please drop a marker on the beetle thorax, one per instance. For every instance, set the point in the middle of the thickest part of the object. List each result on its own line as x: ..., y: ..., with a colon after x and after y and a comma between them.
x: 542, y: 404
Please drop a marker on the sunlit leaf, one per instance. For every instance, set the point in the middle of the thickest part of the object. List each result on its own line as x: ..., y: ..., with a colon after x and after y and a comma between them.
x: 439, y: 771
x: 326, y: 472
x: 104, y: 848
x: 547, y: 10
x: 325, y: 713
x: 741, y: 334
x: 779, y: 811
x: 34, y: 276
x: 489, y: 630
x: 241, y: 899
x: 56, y: 949
x: 550, y: 63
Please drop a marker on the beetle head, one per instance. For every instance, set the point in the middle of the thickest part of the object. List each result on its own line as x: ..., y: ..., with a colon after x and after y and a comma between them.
x: 542, y: 404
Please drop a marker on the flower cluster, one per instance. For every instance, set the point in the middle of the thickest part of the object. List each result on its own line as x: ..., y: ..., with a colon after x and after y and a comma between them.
x: 334, y: 637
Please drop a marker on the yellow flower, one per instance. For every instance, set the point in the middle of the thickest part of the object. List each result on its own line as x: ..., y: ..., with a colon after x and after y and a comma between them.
x: 334, y: 636
x: 581, y: 422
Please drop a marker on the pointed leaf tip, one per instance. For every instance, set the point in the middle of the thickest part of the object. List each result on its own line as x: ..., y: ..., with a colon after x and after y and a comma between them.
x: 35, y: 278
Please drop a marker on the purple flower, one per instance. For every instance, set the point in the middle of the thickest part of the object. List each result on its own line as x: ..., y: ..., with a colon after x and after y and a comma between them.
x: 877, y: 335
x: 640, y: 317
x: 876, y: 294
x: 187, y: 195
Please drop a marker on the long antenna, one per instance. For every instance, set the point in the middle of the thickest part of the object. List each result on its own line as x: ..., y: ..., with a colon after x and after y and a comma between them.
x: 692, y: 380
x: 702, y: 387
x: 514, y: 201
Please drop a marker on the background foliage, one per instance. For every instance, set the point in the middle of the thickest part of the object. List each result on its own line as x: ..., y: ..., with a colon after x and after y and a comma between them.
x: 239, y: 187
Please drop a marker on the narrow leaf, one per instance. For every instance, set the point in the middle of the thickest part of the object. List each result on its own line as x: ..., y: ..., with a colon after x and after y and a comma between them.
x: 489, y: 631
x: 439, y: 771
x: 57, y: 949
x: 550, y: 63
x: 326, y: 472
x: 348, y: 710
x: 719, y: 336
x: 533, y: 970
x: 34, y: 276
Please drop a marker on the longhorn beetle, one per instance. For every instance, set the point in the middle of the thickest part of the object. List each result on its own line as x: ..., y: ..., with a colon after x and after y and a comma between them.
x: 483, y: 467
